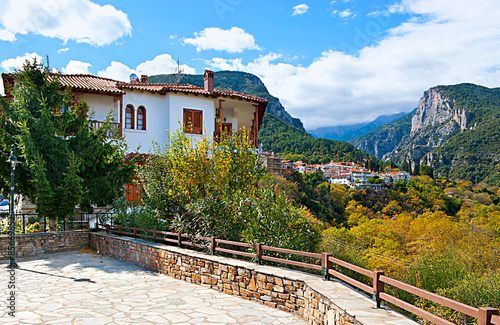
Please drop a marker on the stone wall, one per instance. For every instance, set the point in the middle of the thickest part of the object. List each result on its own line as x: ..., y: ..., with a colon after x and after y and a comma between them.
x: 44, y: 243
x: 309, y: 296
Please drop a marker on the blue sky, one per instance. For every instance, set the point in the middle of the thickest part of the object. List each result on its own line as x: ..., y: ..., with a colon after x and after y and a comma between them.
x: 330, y: 62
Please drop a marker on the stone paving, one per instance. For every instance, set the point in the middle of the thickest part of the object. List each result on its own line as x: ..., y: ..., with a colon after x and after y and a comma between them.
x: 84, y: 288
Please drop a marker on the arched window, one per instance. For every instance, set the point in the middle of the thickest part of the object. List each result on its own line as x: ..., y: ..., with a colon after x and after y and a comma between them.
x: 129, y: 117
x: 141, y: 118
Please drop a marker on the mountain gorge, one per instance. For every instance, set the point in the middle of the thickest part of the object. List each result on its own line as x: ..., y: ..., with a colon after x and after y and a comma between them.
x: 349, y: 132
x: 385, y: 137
x: 455, y: 129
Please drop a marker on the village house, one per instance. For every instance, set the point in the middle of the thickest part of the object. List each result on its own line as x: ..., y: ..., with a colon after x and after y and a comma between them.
x: 146, y: 112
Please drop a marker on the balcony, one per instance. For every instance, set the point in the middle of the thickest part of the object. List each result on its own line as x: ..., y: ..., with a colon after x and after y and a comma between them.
x: 114, y: 131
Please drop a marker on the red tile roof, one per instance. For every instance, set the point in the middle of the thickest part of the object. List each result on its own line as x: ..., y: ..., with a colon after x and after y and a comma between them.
x: 79, y: 82
x: 188, y: 88
x: 87, y: 82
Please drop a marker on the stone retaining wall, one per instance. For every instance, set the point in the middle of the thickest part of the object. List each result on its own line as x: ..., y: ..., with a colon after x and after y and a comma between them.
x: 44, y: 243
x: 309, y: 296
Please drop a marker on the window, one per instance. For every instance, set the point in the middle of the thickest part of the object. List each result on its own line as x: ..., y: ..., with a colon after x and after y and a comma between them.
x: 193, y: 121
x: 141, y: 118
x: 129, y: 117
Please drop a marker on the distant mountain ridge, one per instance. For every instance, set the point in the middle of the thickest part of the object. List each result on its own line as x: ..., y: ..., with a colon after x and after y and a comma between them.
x: 384, y: 138
x: 349, y: 132
x: 243, y: 82
x: 455, y: 129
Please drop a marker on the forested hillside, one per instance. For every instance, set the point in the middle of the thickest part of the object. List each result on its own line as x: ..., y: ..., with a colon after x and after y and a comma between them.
x: 473, y: 154
x: 439, y: 235
x: 292, y: 143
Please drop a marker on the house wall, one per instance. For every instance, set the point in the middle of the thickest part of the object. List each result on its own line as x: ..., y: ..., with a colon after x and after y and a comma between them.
x: 177, y: 103
x: 101, y: 106
x: 157, y: 120
x: 245, y: 117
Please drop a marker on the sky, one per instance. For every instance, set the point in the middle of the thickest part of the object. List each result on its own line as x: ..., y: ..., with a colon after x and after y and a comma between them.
x: 329, y: 62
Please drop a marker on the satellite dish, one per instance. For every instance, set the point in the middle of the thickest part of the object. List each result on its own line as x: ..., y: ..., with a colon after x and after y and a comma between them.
x: 133, y: 77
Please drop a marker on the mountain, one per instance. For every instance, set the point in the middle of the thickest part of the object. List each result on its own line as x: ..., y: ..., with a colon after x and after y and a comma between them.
x: 455, y: 129
x: 385, y: 137
x: 349, y: 132
x: 290, y: 142
x: 243, y: 82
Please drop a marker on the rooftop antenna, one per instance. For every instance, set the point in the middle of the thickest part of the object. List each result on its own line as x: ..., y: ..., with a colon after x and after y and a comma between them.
x: 48, y: 65
x: 178, y: 70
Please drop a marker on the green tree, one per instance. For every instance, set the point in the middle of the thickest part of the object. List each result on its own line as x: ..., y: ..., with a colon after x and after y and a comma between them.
x: 426, y: 171
x: 65, y: 162
x: 221, y: 190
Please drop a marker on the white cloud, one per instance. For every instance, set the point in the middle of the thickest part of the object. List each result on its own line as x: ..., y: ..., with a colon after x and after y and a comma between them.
x: 234, y: 40
x: 162, y: 64
x: 443, y: 42
x: 117, y: 71
x: 347, y: 13
x: 77, y: 67
x: 300, y: 9
x: 16, y: 63
x: 6, y: 35
x: 80, y: 20
x: 63, y: 50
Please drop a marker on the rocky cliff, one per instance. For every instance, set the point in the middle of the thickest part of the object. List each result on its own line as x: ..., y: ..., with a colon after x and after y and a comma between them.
x: 435, y: 109
x: 456, y: 130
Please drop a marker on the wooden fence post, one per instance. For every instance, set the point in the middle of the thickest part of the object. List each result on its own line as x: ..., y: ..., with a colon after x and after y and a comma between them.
x: 378, y: 286
x: 326, y: 264
x: 485, y: 314
x: 135, y: 232
x: 179, y: 239
x: 154, y: 234
x: 213, y: 244
x: 258, y: 253
x: 96, y: 222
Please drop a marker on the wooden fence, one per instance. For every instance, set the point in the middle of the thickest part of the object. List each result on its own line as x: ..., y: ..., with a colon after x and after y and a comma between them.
x: 326, y: 263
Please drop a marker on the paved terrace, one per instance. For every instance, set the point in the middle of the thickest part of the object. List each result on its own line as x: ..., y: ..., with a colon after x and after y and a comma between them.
x: 84, y: 288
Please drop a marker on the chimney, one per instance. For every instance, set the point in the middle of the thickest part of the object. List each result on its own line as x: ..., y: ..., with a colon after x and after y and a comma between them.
x: 144, y: 79
x: 208, y: 81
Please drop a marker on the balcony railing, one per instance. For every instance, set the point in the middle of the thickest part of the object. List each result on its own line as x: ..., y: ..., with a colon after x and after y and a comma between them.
x: 114, y: 131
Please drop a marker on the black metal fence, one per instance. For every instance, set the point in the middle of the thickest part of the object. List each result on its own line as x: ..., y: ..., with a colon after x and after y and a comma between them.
x: 78, y: 222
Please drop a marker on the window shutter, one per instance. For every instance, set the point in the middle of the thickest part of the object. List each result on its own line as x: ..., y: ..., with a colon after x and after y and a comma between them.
x: 197, y: 122
x: 188, y: 120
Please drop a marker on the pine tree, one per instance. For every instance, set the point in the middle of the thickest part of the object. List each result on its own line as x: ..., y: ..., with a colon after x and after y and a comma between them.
x: 64, y: 161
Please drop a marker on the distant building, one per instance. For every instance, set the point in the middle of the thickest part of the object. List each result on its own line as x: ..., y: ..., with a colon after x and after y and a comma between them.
x: 400, y: 176
x: 273, y: 164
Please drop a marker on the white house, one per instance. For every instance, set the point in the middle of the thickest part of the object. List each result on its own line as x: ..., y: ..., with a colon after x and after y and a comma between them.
x: 143, y: 112
x: 399, y: 176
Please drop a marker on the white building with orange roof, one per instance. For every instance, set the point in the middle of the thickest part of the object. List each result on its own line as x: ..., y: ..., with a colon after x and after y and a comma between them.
x: 399, y: 176
x: 144, y: 112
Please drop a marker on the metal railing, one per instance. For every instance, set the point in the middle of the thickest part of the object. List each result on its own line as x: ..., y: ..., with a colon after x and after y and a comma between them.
x: 326, y: 263
x: 79, y: 221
